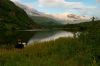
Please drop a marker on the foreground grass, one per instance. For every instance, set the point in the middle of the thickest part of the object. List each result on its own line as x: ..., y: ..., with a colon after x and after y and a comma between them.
x: 62, y: 52
x: 82, y: 51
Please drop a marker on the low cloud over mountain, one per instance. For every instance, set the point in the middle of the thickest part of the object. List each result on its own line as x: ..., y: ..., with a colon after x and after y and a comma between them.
x: 71, y: 18
x: 53, y: 19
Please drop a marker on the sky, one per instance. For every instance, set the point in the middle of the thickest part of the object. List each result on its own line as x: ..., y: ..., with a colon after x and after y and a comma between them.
x: 80, y: 7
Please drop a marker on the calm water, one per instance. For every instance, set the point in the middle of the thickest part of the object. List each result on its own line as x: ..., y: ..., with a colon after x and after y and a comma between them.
x: 43, y: 36
x: 31, y: 37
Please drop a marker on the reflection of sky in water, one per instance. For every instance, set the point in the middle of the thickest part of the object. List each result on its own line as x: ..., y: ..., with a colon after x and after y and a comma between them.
x: 49, y: 35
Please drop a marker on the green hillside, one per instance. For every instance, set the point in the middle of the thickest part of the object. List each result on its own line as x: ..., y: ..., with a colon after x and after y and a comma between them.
x: 13, y: 17
x: 45, y: 21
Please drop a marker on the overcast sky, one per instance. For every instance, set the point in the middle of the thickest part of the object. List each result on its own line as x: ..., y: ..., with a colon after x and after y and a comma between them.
x: 81, y: 7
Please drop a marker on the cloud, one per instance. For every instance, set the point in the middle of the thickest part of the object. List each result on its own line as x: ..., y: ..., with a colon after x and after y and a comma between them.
x: 98, y: 1
x: 63, y: 5
x: 59, y: 4
x: 69, y: 6
x: 30, y: 5
x: 15, y: 0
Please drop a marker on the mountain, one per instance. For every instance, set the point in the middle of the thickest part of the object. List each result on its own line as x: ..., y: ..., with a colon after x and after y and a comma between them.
x: 39, y: 17
x: 52, y: 19
x: 13, y: 17
x: 29, y: 11
x: 68, y: 18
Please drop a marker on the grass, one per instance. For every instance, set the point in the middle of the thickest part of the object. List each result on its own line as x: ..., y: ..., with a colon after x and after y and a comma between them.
x: 62, y: 52
x: 82, y: 51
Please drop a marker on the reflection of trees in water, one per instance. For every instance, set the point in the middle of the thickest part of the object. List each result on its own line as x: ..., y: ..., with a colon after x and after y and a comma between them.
x: 41, y: 35
x: 9, y: 38
x: 44, y: 34
x: 49, y: 35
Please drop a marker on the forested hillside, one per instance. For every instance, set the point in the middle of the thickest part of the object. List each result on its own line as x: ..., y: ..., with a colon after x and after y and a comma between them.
x: 13, y: 17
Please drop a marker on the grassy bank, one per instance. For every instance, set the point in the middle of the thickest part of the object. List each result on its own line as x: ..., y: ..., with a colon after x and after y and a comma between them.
x: 82, y: 51
x: 62, y: 52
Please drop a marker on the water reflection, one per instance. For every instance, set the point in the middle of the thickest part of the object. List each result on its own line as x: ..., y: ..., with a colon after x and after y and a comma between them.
x: 49, y: 35
x: 12, y: 38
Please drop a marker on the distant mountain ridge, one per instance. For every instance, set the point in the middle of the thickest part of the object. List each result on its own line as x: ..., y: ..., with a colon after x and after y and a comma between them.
x: 71, y: 18
x: 53, y: 19
x: 39, y: 17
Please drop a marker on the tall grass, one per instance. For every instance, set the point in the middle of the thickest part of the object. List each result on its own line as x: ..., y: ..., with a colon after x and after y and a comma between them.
x: 62, y: 52
x: 82, y: 51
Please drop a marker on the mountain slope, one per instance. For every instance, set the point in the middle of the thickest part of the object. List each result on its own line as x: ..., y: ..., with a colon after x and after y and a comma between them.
x: 52, y: 19
x: 28, y: 10
x: 71, y: 18
x: 39, y: 17
x: 13, y: 17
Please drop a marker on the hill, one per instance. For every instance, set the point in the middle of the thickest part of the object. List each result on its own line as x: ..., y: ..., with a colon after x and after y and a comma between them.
x: 52, y: 19
x: 13, y: 17
x: 39, y: 17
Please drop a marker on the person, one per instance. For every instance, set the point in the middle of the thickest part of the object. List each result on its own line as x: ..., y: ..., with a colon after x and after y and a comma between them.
x: 19, y: 45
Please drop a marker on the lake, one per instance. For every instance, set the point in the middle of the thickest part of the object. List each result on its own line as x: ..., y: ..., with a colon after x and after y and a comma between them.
x: 8, y: 38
